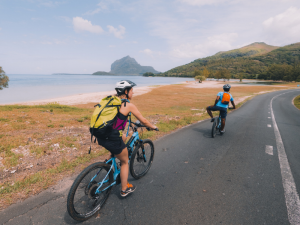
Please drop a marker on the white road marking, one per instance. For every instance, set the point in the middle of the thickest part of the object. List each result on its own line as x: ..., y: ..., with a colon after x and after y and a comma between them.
x: 269, y: 117
x: 269, y: 112
x: 269, y: 149
x: 291, y: 196
x: 269, y: 125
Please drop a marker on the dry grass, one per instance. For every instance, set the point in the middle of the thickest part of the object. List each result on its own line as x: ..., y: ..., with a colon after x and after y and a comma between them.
x: 297, y: 101
x: 41, y: 144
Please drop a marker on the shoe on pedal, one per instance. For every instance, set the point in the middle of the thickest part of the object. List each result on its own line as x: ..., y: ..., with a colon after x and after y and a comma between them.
x: 212, y: 120
x: 130, y: 188
x: 222, y: 131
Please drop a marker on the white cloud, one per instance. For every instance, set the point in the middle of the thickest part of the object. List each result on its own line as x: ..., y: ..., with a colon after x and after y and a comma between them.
x: 147, y: 51
x: 102, y: 6
x: 111, y: 46
x: 117, y: 32
x: 283, y: 28
x: 0, y: 28
x: 81, y: 24
x: 214, y: 43
x: 205, y: 2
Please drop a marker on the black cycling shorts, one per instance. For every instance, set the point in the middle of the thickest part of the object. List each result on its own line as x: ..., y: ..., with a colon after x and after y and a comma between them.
x: 115, y: 146
x: 223, y: 111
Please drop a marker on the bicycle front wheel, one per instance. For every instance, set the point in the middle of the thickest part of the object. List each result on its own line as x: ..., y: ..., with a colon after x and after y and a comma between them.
x: 82, y: 201
x: 141, y: 159
x: 214, y: 128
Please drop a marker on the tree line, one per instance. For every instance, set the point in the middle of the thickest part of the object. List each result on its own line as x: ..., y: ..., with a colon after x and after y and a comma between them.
x: 282, y: 72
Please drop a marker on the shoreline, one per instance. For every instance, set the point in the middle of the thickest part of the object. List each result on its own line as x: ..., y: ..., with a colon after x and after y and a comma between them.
x: 92, y: 97
x: 82, y: 98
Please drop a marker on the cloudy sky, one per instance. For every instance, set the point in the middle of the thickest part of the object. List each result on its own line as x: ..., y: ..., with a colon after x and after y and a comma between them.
x: 44, y: 37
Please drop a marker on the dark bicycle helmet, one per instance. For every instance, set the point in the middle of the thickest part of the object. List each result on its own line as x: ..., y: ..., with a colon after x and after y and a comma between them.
x: 226, y: 87
x: 123, y: 85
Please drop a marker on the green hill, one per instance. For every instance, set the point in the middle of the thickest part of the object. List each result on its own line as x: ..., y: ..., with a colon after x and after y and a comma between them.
x: 102, y: 73
x: 250, y: 61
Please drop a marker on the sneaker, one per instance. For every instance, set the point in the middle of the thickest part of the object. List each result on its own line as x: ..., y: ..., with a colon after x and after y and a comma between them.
x: 212, y: 120
x: 130, y: 188
x: 222, y: 131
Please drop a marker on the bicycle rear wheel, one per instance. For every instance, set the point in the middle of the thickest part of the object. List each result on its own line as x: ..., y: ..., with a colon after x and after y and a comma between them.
x: 141, y: 159
x: 82, y: 202
x: 214, y: 127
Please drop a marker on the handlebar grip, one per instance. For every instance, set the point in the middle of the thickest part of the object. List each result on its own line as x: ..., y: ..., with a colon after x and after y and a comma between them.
x: 156, y: 129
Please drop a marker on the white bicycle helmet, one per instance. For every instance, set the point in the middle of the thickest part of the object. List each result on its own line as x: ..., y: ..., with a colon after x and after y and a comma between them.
x: 123, y: 85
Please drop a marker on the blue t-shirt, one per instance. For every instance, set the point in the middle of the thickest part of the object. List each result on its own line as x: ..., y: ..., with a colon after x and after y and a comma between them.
x: 220, y: 104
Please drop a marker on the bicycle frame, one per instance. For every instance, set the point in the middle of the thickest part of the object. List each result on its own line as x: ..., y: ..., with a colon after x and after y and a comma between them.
x: 219, y: 124
x: 130, y: 145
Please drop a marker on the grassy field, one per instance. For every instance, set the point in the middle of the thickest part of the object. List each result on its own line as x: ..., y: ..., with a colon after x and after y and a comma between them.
x: 42, y: 144
x: 297, y: 101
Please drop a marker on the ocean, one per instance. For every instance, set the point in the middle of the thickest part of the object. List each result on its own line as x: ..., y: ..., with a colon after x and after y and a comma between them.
x: 27, y: 87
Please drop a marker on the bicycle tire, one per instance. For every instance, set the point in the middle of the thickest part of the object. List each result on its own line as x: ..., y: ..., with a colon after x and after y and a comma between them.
x: 138, y: 160
x: 88, y: 196
x: 214, y: 128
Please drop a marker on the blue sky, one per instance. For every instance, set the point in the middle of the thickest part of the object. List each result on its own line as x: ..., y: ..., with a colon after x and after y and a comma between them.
x: 45, y: 37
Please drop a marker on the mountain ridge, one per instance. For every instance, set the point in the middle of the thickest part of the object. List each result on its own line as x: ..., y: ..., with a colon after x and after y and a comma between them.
x: 250, y: 60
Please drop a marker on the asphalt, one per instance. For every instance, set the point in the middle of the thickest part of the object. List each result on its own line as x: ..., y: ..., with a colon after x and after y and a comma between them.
x: 196, y: 179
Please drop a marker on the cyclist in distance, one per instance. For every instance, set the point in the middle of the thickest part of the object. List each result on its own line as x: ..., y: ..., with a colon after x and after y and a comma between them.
x: 116, y: 142
x: 221, y: 104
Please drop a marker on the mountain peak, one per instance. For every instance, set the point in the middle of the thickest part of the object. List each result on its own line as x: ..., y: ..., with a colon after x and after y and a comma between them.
x: 128, y: 65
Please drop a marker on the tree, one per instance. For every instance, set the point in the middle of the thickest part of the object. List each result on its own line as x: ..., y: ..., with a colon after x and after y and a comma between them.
x: 197, y: 72
x: 148, y: 74
x: 241, y: 76
x: 225, y: 74
x: 200, y: 78
x: 205, y: 72
x: 3, y: 79
x: 218, y: 75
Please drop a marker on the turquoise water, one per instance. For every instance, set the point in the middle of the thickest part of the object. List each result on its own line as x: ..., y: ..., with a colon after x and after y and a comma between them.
x: 23, y: 88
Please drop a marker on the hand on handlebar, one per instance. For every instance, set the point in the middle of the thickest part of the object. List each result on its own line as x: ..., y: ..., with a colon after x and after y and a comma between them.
x: 152, y: 129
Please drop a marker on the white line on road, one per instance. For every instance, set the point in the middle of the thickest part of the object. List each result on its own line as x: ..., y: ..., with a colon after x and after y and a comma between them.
x: 291, y: 196
x: 269, y: 125
x: 269, y: 149
x: 269, y: 117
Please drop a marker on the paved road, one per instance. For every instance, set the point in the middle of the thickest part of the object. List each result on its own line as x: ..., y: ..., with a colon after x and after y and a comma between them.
x: 239, y: 178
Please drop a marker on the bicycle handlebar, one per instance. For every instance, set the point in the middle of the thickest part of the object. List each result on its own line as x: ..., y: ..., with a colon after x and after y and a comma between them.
x: 141, y: 125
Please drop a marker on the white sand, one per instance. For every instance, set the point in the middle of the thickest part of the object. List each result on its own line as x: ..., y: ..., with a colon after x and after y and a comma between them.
x: 85, y: 98
x: 97, y: 96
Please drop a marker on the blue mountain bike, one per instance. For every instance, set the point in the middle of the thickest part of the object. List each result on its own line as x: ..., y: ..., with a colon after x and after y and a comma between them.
x: 92, y: 187
x: 216, y: 126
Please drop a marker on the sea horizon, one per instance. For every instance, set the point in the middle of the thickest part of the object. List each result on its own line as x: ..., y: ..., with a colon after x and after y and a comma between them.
x: 30, y: 87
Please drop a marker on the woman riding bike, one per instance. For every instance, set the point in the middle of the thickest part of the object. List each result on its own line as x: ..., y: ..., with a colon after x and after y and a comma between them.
x: 117, y: 145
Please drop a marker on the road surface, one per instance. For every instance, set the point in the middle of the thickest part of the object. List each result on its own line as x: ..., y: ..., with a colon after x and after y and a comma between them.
x: 250, y: 175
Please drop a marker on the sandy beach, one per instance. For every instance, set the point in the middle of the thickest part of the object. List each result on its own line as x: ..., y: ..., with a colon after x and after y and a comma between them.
x: 85, y: 98
x: 97, y: 96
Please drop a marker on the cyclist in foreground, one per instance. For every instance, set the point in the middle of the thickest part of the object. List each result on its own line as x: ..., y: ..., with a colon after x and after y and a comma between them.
x: 221, y: 104
x: 116, y: 142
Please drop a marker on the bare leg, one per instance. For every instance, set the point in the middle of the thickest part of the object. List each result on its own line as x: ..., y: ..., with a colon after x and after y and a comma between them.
x: 124, y: 137
x: 123, y: 157
x: 209, y: 112
x: 222, y: 124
